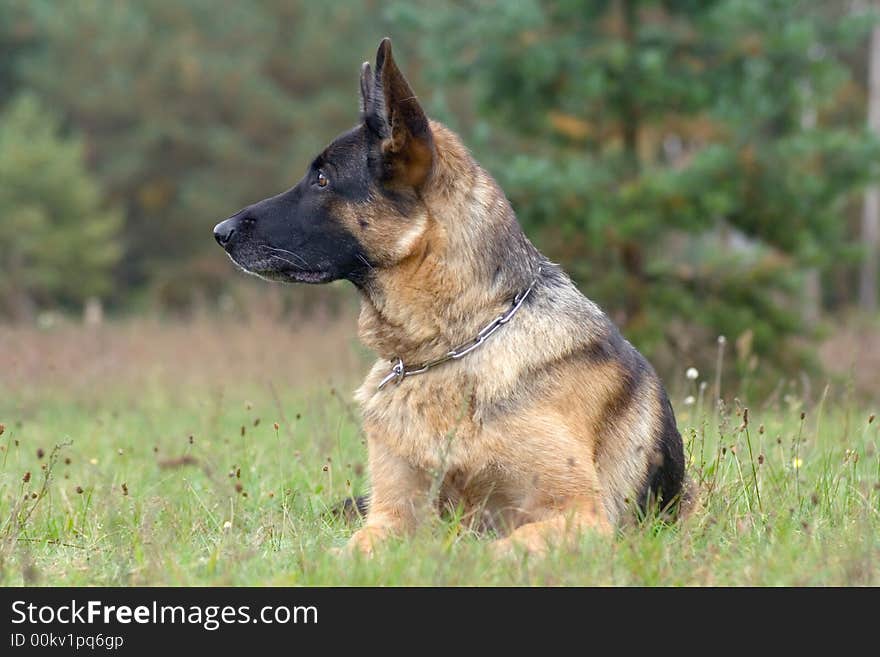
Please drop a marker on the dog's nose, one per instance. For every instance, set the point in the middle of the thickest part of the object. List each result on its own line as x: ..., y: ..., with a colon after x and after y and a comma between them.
x: 224, y: 231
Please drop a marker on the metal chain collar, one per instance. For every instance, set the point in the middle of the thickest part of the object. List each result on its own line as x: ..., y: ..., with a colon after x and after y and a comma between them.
x: 399, y: 371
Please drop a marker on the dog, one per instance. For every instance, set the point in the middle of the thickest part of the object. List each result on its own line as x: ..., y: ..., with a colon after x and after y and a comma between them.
x: 500, y: 390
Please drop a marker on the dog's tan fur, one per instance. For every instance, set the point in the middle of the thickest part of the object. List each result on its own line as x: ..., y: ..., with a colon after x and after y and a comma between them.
x: 550, y: 460
x: 553, y: 425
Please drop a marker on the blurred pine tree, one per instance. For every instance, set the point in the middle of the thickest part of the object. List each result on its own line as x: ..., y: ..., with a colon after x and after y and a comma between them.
x: 687, y: 161
x: 192, y: 109
x: 58, y: 245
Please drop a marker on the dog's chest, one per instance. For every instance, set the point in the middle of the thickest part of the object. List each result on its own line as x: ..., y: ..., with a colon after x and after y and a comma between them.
x: 432, y: 421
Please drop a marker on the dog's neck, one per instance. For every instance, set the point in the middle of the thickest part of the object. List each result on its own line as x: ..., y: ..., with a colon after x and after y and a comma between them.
x: 466, y: 267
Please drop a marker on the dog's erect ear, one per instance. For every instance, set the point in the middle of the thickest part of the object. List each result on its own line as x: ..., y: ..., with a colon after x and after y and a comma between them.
x: 366, y: 90
x: 392, y: 113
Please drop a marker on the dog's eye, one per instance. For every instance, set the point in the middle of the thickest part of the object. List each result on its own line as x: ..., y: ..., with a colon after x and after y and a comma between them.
x: 322, y: 179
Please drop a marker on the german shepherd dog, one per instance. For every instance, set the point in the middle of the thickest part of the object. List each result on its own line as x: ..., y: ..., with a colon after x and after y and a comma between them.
x: 500, y: 390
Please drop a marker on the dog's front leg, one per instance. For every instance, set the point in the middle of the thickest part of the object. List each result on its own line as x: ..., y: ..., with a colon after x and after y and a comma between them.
x: 399, y: 499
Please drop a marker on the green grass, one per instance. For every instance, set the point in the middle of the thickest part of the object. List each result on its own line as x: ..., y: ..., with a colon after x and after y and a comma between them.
x: 119, y: 494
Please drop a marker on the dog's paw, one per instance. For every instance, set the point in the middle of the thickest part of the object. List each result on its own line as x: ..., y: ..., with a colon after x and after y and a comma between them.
x: 517, y: 547
x: 364, y: 541
x: 348, y: 551
x: 503, y: 548
x: 338, y: 551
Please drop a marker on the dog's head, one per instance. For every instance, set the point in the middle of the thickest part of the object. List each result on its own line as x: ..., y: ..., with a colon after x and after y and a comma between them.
x: 359, y: 205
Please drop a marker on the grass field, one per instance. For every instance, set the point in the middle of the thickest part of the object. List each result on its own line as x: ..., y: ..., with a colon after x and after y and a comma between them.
x: 209, y: 453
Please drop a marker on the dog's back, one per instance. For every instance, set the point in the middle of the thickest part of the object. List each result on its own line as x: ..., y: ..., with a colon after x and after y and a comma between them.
x: 638, y: 450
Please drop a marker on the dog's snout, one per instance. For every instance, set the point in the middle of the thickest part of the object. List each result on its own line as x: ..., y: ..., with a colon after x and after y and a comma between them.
x: 224, y: 231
